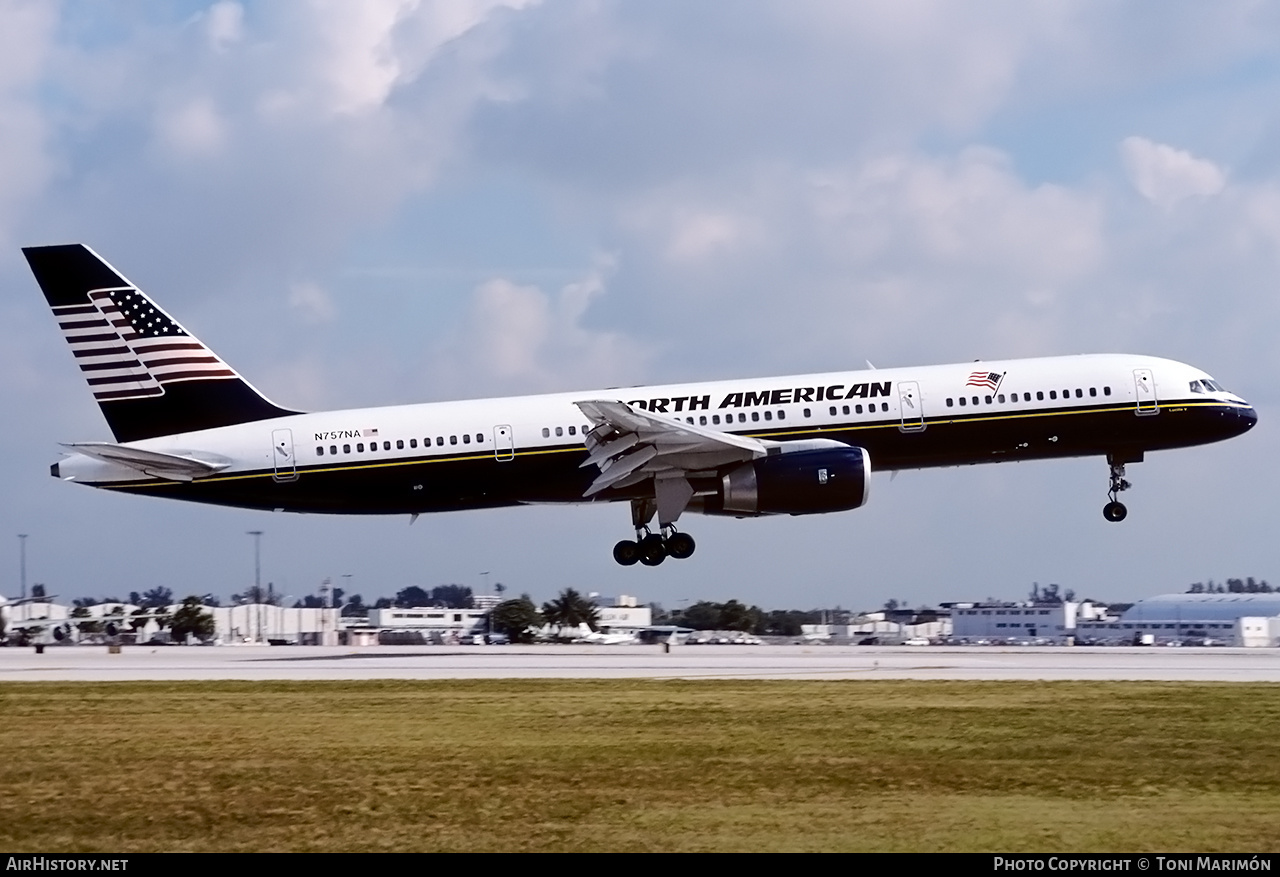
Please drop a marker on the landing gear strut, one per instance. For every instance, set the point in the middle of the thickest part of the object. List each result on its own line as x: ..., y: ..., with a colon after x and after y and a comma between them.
x: 1115, y: 510
x: 652, y: 548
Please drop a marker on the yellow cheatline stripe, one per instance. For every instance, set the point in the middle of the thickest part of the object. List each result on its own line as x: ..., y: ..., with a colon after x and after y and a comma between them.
x: 892, y: 424
x: 348, y: 468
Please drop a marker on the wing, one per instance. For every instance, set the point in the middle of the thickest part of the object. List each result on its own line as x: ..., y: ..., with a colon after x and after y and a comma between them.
x: 630, y: 445
x: 175, y: 467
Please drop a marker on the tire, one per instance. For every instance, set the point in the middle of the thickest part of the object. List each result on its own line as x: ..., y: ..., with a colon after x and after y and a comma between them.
x: 680, y: 545
x: 1114, y: 512
x: 652, y: 551
x: 626, y: 552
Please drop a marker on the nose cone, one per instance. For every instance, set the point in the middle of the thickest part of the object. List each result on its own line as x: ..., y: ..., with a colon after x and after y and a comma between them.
x: 1246, y: 417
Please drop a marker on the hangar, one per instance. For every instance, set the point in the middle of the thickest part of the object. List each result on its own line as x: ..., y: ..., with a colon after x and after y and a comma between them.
x: 1195, y: 619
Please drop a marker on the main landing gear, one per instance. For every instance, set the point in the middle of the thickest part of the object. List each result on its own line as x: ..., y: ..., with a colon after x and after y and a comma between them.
x: 1115, y: 510
x: 652, y: 548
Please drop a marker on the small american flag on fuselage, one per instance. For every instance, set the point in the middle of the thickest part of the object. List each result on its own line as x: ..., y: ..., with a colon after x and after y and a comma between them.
x: 990, y: 380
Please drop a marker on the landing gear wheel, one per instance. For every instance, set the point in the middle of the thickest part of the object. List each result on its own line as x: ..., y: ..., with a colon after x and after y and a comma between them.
x: 626, y: 552
x: 1114, y: 511
x: 680, y: 545
x: 652, y: 551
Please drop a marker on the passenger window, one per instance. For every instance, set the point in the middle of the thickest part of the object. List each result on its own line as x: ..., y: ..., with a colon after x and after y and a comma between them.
x: 833, y: 411
x: 884, y: 406
x: 399, y: 444
x: 950, y: 402
x: 742, y: 418
x: 466, y: 438
x: 1106, y: 391
x: 413, y: 443
x: 1040, y: 395
x: 1000, y: 398
x: 453, y: 439
x: 987, y: 399
x: 755, y: 415
x: 808, y: 413
x: 963, y: 401
x: 320, y: 451
x: 715, y: 418
x: 386, y: 446
x: 479, y: 438
x: 1079, y: 393
x: 768, y: 415
x: 572, y: 430
x: 559, y: 431
x: 360, y: 448
x: 782, y: 415
x: 1093, y: 391
x: 439, y: 441
x: 1053, y: 394
x: 546, y: 433
x: 333, y: 449
x: 702, y: 420
x: 975, y: 400
x: 346, y: 449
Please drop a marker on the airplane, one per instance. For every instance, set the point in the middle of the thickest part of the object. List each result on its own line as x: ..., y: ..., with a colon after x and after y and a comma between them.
x: 60, y: 629
x: 8, y: 602
x: 188, y: 426
x: 596, y: 638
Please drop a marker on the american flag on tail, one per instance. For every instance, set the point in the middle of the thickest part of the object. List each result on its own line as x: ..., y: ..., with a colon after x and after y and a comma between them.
x: 128, y: 348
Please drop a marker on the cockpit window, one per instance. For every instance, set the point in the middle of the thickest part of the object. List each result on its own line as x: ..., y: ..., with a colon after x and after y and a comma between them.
x: 1196, y: 388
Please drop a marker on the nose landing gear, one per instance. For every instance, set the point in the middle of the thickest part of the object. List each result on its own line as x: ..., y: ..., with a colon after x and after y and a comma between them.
x: 1115, y: 510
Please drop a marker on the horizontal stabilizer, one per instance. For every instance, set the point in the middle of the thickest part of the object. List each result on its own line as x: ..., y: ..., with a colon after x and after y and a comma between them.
x: 175, y: 467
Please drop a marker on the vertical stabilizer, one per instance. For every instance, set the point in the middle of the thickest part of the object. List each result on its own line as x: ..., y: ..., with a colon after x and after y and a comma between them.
x: 150, y: 376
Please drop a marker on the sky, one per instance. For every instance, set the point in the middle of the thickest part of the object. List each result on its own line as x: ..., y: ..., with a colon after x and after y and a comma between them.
x: 391, y: 202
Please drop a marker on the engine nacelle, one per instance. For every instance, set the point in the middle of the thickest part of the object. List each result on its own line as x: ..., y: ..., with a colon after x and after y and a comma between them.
x: 798, y: 483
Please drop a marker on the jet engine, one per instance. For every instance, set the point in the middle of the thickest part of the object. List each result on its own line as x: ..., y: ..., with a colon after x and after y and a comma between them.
x: 797, y: 483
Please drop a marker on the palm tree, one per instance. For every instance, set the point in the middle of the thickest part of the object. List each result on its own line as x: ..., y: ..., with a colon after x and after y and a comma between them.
x: 570, y: 609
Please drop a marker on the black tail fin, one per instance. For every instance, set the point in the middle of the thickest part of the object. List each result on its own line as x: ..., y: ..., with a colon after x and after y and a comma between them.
x: 150, y: 376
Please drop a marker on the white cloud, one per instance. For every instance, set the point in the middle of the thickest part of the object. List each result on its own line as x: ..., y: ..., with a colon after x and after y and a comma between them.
x: 224, y: 24
x: 312, y: 303
x: 519, y: 338
x: 1165, y: 175
x: 193, y: 129
x: 26, y: 40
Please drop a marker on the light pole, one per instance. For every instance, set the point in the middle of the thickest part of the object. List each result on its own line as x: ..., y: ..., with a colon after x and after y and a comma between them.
x: 22, y: 563
x: 257, y: 578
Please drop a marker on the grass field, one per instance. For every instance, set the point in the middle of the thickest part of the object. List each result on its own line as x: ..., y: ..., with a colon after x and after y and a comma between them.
x: 635, y: 765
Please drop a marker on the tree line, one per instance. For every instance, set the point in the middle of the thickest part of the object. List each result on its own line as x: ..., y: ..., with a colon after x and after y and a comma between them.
x: 1232, y: 586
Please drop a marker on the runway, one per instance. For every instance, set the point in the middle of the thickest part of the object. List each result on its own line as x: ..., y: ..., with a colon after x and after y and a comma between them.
x: 173, y: 663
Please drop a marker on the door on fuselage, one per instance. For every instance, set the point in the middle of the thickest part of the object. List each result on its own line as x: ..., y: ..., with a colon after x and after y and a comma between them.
x: 286, y: 468
x: 1145, y: 386
x: 504, y: 446
x: 910, y: 407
